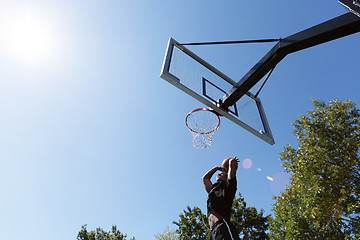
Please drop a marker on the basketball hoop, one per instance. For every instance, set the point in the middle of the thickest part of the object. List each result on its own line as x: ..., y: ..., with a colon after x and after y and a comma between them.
x: 202, y: 123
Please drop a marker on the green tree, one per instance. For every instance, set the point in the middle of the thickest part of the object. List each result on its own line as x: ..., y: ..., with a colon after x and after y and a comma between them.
x: 100, y: 234
x: 249, y: 223
x: 322, y: 201
x: 167, y: 235
x: 193, y: 224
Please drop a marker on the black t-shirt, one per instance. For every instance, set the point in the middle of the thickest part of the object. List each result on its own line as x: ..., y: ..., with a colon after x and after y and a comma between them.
x: 221, y: 197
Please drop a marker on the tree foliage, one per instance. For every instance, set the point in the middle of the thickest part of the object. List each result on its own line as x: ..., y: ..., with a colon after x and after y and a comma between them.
x: 167, y: 235
x: 249, y: 223
x: 100, y: 234
x: 323, y: 199
x: 193, y: 224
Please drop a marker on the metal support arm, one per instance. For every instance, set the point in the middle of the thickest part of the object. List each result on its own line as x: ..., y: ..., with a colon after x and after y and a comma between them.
x: 335, y: 28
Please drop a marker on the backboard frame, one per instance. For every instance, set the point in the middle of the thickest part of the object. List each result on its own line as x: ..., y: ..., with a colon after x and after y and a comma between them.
x: 265, y: 135
x: 352, y: 5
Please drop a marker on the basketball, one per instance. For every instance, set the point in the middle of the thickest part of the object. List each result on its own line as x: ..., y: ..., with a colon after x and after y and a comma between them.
x: 225, y: 163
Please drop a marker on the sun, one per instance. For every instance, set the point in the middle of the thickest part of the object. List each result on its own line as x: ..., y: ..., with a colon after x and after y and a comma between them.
x: 27, y: 37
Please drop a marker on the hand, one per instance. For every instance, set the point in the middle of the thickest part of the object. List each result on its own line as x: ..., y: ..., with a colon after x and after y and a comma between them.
x: 234, y: 162
x: 219, y: 168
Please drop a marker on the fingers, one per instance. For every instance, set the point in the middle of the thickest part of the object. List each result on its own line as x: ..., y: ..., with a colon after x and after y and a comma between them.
x: 234, y: 162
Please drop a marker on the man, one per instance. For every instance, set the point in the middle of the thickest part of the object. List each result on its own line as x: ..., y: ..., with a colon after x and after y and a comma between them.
x: 220, y: 198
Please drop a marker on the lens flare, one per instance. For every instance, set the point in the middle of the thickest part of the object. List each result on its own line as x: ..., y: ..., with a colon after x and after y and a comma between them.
x: 281, y: 180
x: 270, y: 178
x: 247, y: 163
x: 259, y: 169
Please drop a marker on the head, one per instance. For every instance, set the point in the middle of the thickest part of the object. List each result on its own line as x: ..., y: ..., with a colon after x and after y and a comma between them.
x: 225, y: 163
x: 222, y: 176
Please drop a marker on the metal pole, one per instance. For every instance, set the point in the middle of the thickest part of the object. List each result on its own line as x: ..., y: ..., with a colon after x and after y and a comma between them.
x: 335, y: 28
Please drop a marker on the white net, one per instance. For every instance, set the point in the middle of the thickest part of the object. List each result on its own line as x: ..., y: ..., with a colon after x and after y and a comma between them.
x: 202, y: 123
x: 201, y: 141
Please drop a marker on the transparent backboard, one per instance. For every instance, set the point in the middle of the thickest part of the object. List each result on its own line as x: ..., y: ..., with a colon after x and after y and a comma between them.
x: 352, y: 5
x: 199, y: 79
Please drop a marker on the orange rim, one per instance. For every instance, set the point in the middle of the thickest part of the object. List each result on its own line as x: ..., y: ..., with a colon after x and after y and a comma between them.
x: 203, y: 109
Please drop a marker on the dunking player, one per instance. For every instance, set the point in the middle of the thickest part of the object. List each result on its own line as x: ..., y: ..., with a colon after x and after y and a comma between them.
x: 220, y: 198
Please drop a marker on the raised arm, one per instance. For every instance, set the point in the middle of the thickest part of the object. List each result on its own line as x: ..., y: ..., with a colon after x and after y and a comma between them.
x: 233, y: 166
x: 206, y: 178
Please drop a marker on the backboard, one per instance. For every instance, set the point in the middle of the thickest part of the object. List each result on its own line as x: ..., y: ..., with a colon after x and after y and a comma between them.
x: 193, y: 75
x: 353, y: 5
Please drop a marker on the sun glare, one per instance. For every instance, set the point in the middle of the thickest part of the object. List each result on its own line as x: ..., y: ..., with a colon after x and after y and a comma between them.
x: 27, y: 37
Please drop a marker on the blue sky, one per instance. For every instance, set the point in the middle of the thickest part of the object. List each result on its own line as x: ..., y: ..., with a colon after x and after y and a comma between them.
x: 90, y: 134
